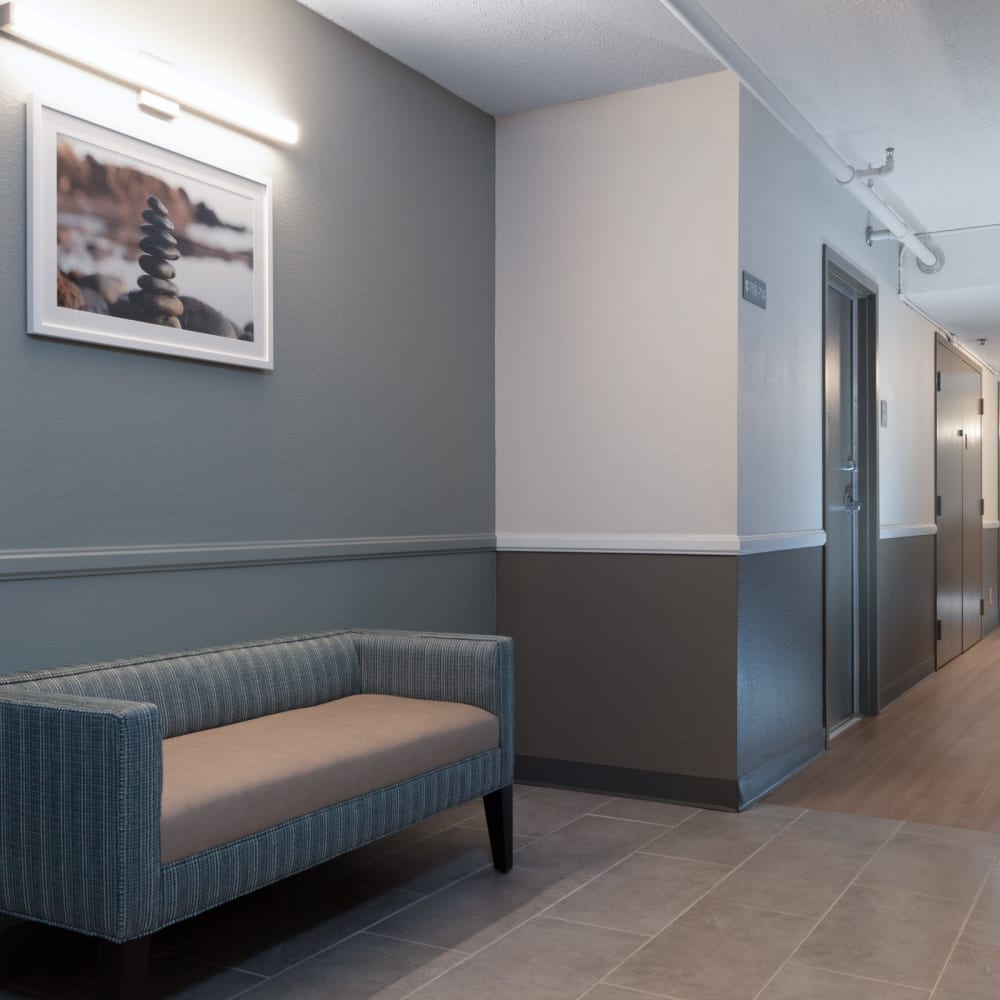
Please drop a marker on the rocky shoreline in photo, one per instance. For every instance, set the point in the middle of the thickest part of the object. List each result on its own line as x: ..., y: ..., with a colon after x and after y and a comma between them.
x: 157, y: 298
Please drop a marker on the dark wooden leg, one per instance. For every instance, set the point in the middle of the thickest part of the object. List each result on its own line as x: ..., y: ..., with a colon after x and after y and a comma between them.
x: 123, y: 969
x: 500, y: 823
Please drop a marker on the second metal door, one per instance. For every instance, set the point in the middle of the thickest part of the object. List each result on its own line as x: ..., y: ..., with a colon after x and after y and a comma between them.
x: 959, y: 505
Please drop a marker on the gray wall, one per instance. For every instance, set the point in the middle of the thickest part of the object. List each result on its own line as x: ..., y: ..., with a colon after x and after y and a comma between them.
x: 780, y: 683
x: 991, y: 579
x: 694, y: 678
x: 625, y: 661
x: 376, y: 423
x: 906, y: 614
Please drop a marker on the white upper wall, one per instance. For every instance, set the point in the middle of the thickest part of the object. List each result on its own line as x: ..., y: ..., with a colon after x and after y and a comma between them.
x: 616, y: 313
x: 790, y: 208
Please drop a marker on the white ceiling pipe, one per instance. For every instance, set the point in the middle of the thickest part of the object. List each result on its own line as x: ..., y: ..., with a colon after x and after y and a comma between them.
x: 715, y: 38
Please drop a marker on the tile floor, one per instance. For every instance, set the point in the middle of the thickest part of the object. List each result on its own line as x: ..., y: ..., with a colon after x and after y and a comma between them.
x: 610, y: 899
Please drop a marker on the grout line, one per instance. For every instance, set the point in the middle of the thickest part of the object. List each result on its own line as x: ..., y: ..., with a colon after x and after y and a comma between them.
x: 826, y: 913
x: 943, y: 832
x: 628, y: 819
x: 864, y: 979
x: 977, y: 947
x: 689, y: 818
x: 427, y: 896
x: 759, y: 909
x: 961, y: 930
x: 676, y: 917
x: 422, y: 944
x: 602, y: 927
x: 629, y: 989
x: 906, y: 892
x: 614, y: 819
x: 698, y: 861
x: 365, y: 929
x: 534, y: 916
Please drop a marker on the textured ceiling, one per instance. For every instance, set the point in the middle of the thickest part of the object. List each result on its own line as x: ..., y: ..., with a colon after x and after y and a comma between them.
x: 920, y: 75
x: 515, y: 55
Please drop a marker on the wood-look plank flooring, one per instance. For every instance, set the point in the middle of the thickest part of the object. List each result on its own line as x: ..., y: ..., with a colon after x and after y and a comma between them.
x: 931, y: 757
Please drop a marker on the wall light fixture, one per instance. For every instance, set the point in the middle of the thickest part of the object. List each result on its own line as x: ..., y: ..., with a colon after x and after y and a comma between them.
x: 160, y: 88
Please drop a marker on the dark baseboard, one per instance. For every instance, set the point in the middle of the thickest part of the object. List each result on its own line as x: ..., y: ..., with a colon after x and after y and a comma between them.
x: 767, y: 777
x: 689, y: 789
x: 889, y: 694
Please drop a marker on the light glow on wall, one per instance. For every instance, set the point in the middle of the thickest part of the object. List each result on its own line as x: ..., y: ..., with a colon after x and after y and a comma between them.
x: 143, y: 73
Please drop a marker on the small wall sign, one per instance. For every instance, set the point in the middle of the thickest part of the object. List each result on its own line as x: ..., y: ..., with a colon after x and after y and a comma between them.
x: 754, y: 290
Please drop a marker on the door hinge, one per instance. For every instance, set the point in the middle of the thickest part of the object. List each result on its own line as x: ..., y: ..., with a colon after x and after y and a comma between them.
x: 937, y: 506
x: 937, y: 382
x: 982, y: 507
x: 982, y: 606
x: 981, y: 409
x: 937, y: 630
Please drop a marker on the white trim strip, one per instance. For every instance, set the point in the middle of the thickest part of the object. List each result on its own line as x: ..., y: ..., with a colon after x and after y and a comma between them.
x: 28, y: 564
x: 779, y: 541
x: 906, y: 530
x: 695, y: 545
x: 991, y: 525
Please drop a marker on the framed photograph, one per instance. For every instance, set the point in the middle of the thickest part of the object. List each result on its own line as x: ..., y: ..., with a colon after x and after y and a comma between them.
x: 137, y: 246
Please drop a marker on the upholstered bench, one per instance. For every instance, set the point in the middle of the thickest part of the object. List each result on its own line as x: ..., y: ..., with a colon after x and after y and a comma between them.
x: 137, y: 793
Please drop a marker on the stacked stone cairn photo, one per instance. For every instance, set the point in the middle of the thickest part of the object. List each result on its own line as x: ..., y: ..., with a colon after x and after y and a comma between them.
x: 156, y: 298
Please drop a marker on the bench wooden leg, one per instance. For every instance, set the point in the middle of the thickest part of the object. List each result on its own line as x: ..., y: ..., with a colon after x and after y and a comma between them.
x: 500, y: 823
x: 123, y: 969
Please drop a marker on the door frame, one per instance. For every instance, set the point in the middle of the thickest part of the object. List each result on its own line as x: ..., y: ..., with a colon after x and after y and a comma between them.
x: 862, y: 289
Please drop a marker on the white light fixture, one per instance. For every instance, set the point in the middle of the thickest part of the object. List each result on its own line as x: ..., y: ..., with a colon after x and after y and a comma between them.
x: 161, y: 90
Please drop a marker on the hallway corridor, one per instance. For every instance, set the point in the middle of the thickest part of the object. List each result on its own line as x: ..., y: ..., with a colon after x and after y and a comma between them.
x: 932, y: 757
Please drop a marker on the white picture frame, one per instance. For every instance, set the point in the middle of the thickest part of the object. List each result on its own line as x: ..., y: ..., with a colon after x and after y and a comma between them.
x: 86, y: 182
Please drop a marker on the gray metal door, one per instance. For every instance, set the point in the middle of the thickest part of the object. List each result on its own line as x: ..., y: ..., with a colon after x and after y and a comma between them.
x: 959, y: 517
x: 841, y: 563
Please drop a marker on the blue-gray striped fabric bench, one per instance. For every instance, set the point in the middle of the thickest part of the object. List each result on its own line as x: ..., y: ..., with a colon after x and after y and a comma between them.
x: 137, y: 793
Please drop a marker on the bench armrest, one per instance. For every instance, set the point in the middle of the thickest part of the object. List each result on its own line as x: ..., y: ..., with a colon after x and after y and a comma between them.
x: 80, y: 782
x: 471, y: 669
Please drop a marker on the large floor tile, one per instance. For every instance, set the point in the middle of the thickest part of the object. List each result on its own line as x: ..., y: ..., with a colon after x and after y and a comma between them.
x: 432, y: 863
x: 718, y: 837
x: 661, y: 813
x: 543, y: 810
x: 863, y: 833
x: 793, y: 877
x: 476, y: 911
x: 600, y: 992
x: 173, y: 977
x: 932, y: 865
x: 958, y: 835
x: 642, y: 894
x: 983, y: 928
x: 546, y: 958
x: 893, y: 936
x: 286, y: 928
x: 587, y: 846
x: 360, y: 856
x: 362, y: 968
x: 971, y: 974
x: 715, y: 951
x: 798, y: 982
x: 48, y: 961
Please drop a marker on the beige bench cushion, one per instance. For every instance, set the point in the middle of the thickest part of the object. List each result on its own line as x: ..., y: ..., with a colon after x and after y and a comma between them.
x: 225, y: 783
